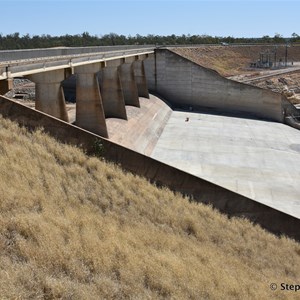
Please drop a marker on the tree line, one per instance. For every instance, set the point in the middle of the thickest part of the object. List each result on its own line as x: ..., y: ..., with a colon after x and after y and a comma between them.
x: 17, y: 41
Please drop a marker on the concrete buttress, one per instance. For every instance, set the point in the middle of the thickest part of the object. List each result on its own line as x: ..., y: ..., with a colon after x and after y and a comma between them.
x: 49, y: 95
x: 140, y: 78
x: 112, y: 93
x: 129, y: 86
x: 89, y: 107
x: 150, y: 71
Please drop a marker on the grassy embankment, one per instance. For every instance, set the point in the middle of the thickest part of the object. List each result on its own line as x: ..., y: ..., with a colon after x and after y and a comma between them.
x: 228, y: 61
x: 75, y: 227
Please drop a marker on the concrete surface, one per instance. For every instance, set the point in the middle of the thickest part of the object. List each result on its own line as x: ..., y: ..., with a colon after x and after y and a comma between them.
x: 144, y: 126
x: 49, y: 95
x: 112, y: 93
x: 129, y: 86
x: 89, y: 107
x: 258, y: 159
x: 140, y: 78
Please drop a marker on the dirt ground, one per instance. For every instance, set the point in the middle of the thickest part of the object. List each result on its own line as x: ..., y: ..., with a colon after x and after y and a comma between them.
x: 233, y: 60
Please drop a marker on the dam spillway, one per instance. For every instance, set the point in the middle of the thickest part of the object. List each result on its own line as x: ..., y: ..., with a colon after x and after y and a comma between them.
x: 219, y: 141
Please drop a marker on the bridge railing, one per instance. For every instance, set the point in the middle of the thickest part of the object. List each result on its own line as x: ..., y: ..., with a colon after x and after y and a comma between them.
x: 22, y: 67
x: 14, y: 55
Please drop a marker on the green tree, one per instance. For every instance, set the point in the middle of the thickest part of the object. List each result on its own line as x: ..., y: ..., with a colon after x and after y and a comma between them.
x: 278, y: 38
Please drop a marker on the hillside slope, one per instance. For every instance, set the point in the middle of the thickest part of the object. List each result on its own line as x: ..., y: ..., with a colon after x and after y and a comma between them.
x: 233, y: 60
x: 76, y: 227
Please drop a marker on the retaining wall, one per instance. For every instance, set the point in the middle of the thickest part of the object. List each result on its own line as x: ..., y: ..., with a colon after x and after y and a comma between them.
x: 185, y: 84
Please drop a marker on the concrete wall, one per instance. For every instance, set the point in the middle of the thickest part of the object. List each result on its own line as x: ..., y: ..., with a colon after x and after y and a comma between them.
x: 112, y: 93
x: 140, y: 78
x: 144, y: 126
x: 162, y: 174
x: 150, y: 72
x: 186, y: 84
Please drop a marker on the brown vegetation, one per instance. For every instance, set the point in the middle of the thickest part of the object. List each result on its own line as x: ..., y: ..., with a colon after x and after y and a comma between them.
x: 76, y: 227
x: 222, y: 59
x: 232, y: 60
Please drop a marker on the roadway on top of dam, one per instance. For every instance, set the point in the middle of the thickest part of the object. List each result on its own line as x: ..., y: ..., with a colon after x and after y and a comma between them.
x: 22, y: 63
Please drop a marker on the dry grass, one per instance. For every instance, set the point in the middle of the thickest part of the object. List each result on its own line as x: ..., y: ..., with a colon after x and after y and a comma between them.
x: 75, y: 227
x: 226, y: 60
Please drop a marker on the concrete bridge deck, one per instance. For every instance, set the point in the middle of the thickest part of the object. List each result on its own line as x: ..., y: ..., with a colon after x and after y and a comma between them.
x: 22, y: 63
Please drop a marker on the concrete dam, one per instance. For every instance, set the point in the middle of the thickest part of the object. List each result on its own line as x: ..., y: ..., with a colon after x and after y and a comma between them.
x: 174, y: 122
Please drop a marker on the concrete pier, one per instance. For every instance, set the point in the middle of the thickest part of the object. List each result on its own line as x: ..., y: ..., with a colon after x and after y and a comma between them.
x: 89, y: 108
x: 49, y: 95
x: 112, y: 93
x: 140, y: 78
x: 129, y: 86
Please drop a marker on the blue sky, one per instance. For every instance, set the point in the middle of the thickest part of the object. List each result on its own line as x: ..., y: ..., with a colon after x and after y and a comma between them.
x: 238, y: 18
